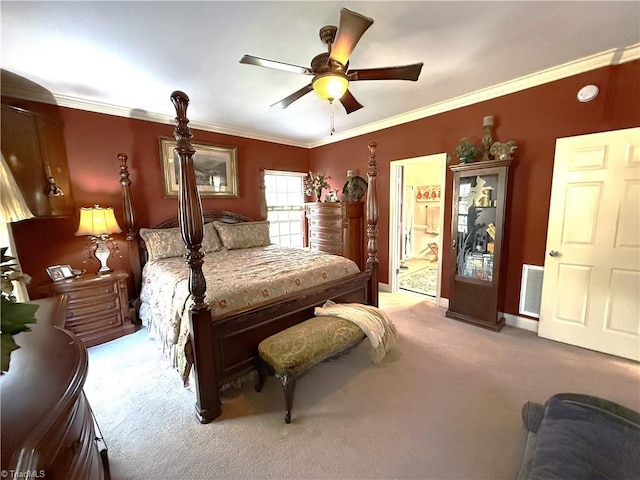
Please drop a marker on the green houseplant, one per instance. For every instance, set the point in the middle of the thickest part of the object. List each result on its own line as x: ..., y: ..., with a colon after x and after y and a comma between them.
x: 466, y: 151
x: 14, y: 316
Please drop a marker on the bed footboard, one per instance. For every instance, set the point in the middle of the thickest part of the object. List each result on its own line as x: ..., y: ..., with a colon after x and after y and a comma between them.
x: 228, y: 346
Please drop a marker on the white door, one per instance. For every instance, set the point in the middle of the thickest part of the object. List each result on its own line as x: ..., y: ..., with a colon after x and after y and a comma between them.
x: 591, y: 285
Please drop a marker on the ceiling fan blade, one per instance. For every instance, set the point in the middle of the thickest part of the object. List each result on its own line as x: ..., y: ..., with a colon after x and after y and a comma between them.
x: 285, y: 102
x: 349, y: 102
x: 352, y: 27
x: 263, y: 62
x: 404, y: 72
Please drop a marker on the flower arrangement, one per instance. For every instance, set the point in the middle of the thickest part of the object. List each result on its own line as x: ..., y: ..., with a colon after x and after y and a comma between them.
x: 14, y: 316
x: 466, y: 151
x: 314, y: 184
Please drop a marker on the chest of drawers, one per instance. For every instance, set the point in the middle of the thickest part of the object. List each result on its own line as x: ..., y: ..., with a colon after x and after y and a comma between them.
x: 48, y: 430
x: 98, y: 308
x: 338, y: 228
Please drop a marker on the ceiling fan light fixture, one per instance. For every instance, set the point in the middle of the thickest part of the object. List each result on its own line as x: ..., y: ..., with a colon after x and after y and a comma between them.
x: 330, y: 85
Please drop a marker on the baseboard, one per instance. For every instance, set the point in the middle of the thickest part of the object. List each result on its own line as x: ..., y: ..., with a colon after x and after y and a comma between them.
x: 521, y: 322
x: 509, y: 319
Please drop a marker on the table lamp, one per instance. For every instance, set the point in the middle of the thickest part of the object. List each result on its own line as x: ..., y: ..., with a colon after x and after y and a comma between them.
x: 99, y: 223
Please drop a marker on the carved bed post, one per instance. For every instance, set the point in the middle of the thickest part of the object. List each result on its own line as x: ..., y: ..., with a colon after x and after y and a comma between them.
x: 263, y: 196
x: 130, y: 226
x: 208, y: 404
x: 372, y: 223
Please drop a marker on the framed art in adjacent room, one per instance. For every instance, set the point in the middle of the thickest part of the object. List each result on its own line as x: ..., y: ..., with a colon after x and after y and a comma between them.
x: 215, y: 166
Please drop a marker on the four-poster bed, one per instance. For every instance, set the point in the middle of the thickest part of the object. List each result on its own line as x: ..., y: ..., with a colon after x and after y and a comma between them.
x: 223, y: 346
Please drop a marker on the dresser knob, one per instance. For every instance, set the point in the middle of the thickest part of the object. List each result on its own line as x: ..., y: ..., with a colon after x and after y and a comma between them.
x: 69, y: 314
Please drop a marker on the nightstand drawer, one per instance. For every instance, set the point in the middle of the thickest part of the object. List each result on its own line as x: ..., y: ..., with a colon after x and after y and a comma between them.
x: 89, y: 324
x: 80, y: 309
x: 81, y: 294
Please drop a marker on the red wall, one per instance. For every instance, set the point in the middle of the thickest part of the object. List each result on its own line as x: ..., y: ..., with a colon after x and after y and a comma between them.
x: 93, y: 142
x: 533, y: 118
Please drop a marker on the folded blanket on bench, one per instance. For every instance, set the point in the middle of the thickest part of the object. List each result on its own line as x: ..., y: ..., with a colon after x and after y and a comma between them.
x: 375, y: 324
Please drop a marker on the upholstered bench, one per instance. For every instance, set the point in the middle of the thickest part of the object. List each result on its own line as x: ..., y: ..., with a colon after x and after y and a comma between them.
x: 292, y: 352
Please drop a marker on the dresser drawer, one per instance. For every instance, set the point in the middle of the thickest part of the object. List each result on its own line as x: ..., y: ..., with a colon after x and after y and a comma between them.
x: 322, y: 247
x: 316, y: 222
x: 326, y: 236
x: 71, y: 441
x: 325, y: 209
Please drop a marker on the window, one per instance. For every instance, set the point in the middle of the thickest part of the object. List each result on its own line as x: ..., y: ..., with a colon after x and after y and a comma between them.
x: 285, y: 207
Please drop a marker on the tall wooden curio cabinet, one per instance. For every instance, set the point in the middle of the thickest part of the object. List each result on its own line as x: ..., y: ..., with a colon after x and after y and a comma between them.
x: 479, y: 194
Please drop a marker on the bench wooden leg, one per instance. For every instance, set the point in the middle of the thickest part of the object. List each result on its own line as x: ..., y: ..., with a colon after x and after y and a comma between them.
x: 288, y: 386
x: 262, y: 374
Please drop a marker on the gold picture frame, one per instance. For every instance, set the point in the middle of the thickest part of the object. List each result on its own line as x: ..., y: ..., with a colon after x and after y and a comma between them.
x: 216, y: 169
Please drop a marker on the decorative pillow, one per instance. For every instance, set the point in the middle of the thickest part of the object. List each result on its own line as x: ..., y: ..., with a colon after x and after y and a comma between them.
x: 211, y: 241
x: 167, y: 242
x: 243, y: 234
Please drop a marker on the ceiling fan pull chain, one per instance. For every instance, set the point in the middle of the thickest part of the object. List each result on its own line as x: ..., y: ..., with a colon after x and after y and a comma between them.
x: 333, y: 127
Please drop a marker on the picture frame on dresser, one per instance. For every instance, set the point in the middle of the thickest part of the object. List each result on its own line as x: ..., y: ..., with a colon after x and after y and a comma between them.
x: 216, y: 169
x: 60, y: 272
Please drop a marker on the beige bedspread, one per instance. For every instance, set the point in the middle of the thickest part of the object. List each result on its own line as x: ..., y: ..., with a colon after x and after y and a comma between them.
x: 235, y: 279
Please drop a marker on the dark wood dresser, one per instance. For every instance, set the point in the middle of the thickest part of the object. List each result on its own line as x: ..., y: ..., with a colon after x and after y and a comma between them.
x: 338, y: 228
x: 48, y: 429
x: 98, y: 306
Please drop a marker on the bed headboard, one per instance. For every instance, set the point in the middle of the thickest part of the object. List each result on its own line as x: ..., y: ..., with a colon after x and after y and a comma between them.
x: 209, y: 216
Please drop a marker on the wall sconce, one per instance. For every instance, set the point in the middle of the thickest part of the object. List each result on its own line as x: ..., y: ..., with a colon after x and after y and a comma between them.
x: 99, y: 223
x: 52, y: 189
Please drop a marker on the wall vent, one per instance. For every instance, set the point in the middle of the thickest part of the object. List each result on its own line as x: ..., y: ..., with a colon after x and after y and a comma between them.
x: 531, y: 290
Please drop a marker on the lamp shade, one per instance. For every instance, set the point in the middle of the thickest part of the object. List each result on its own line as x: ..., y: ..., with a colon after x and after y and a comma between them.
x: 330, y: 86
x: 13, y: 207
x: 97, y: 221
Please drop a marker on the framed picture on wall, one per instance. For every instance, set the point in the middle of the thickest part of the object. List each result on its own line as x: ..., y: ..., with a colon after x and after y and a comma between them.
x: 215, y: 166
x: 428, y: 193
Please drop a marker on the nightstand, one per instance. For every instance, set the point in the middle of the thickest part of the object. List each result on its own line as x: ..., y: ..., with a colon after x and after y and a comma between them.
x: 98, y: 309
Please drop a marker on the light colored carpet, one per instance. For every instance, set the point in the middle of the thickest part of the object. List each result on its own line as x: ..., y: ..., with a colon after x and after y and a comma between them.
x: 444, y: 404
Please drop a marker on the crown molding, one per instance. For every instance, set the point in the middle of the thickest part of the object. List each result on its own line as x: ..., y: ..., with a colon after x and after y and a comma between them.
x: 603, y: 59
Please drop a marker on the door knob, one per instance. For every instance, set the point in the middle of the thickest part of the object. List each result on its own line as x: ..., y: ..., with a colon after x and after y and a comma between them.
x: 554, y: 253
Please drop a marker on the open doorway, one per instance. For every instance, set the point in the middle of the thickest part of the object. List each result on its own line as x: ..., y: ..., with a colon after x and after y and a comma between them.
x: 416, y: 222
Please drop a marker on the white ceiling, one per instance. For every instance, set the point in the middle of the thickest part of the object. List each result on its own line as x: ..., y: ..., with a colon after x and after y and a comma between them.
x: 127, y: 57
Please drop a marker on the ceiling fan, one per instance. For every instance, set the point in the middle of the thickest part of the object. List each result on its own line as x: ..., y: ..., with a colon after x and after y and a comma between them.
x: 330, y: 70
